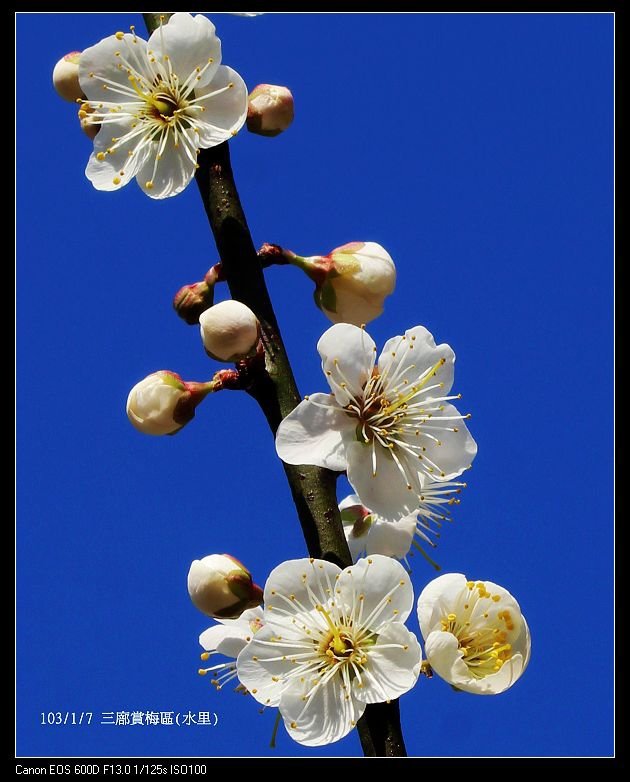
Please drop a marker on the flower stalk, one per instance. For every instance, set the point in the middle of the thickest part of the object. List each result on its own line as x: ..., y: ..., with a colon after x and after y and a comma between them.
x: 275, y: 390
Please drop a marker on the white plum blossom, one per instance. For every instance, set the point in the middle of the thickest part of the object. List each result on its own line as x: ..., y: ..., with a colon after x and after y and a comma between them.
x: 332, y: 642
x: 388, y: 423
x: 368, y: 533
x: 158, y: 103
x: 475, y: 636
x: 229, y: 638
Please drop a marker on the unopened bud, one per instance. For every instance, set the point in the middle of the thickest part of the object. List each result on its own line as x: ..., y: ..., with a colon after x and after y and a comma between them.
x: 66, y: 77
x: 163, y: 403
x: 230, y: 331
x: 270, y: 110
x: 90, y: 128
x: 355, y: 517
x: 192, y: 300
x: 367, y: 533
x: 361, y: 276
x: 222, y: 587
x: 351, y: 282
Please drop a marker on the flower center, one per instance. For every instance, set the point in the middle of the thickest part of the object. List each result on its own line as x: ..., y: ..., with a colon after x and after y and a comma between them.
x: 385, y: 407
x: 165, y: 104
x: 338, y: 645
x: 372, y: 411
x: 482, y: 634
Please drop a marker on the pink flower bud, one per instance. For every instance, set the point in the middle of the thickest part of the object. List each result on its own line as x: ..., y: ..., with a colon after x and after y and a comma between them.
x: 270, y: 110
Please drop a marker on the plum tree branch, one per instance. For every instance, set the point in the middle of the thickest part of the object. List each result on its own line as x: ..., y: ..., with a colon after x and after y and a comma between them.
x: 274, y: 388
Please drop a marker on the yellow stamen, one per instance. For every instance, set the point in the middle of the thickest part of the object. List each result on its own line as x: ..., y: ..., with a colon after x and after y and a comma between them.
x: 338, y: 645
x: 404, y: 398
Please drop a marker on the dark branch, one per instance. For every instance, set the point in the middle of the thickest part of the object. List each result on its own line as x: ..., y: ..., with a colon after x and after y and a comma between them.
x: 275, y: 390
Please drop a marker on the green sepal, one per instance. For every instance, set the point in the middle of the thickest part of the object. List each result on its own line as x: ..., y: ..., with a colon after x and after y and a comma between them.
x: 328, y: 296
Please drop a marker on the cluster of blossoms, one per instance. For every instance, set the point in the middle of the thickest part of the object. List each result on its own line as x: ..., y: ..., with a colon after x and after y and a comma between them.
x: 330, y: 641
x: 320, y: 642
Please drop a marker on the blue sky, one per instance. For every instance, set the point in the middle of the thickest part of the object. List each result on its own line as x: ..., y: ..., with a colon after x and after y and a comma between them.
x: 478, y: 149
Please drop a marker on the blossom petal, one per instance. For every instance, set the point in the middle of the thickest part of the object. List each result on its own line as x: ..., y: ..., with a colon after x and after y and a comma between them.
x: 255, y: 614
x: 507, y: 599
x: 435, y: 599
x: 377, y: 270
x: 498, y: 682
x: 348, y: 353
x: 445, y: 658
x: 112, y: 170
x: 393, y: 667
x: 504, y: 602
x: 260, y: 677
x: 230, y: 636
x: 211, y: 638
x: 296, y: 587
x: 327, y: 716
x: 224, y: 108
x: 391, y: 538
x: 417, y: 348
x: 352, y: 306
x: 173, y: 171
x: 229, y: 640
x: 270, y: 655
x: 377, y: 590
x: 387, y: 492
x: 456, y: 449
x: 312, y: 434
x: 190, y: 42
x: 356, y: 545
x: 523, y: 644
x: 232, y: 645
x: 99, y: 66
